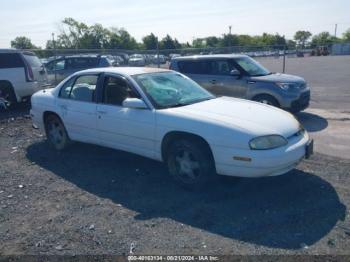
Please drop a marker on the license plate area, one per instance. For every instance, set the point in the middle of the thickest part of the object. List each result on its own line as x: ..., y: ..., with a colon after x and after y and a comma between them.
x: 309, y: 149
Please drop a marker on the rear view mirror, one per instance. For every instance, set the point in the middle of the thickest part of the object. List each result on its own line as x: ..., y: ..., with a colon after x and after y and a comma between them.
x: 235, y: 72
x: 134, y: 103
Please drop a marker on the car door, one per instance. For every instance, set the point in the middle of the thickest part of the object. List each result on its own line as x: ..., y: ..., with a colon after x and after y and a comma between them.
x: 77, y: 107
x: 127, y: 129
x: 56, y: 71
x: 222, y: 82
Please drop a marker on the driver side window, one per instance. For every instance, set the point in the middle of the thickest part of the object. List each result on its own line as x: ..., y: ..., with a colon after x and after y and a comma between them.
x: 56, y: 65
x: 116, y: 90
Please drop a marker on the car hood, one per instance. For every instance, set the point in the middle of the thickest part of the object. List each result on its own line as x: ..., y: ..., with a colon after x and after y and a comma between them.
x: 278, y: 77
x: 250, y: 117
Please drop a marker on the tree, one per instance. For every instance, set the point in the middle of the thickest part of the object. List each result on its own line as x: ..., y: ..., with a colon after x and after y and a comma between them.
x: 168, y: 43
x: 150, y: 42
x: 301, y: 37
x: 229, y: 40
x: 323, y: 38
x: 22, y: 42
x: 71, y: 33
x: 212, y: 41
x: 346, y: 35
x: 199, y: 43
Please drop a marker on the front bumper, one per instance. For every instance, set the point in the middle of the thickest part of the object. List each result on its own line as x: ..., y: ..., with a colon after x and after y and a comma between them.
x: 301, y: 103
x: 263, y: 163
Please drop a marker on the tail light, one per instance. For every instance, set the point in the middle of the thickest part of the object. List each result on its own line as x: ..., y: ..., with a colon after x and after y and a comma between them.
x: 29, y: 72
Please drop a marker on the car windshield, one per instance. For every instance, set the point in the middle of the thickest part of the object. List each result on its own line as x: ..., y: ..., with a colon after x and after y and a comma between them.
x: 170, y: 89
x: 252, y: 67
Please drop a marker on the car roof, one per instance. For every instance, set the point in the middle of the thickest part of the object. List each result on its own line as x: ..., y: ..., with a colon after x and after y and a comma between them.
x: 126, y: 70
x: 200, y: 57
x: 16, y: 51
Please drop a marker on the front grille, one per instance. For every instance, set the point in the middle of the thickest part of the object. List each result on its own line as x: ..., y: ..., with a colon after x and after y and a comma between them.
x: 302, y: 102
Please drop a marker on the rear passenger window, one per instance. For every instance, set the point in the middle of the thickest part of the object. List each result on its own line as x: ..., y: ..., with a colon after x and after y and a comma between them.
x: 84, y: 88
x: 11, y: 60
x: 194, y: 67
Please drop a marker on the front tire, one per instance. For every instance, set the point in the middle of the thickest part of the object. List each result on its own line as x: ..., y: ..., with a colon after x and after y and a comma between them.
x: 56, y: 132
x: 267, y: 100
x: 190, y: 163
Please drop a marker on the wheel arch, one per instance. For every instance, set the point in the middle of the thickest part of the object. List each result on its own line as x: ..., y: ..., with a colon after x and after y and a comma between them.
x: 7, y: 84
x: 175, y: 135
x: 48, y: 113
x: 256, y: 96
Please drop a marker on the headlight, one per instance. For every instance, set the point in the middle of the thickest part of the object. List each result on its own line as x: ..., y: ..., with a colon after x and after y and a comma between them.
x: 267, y: 142
x: 285, y: 86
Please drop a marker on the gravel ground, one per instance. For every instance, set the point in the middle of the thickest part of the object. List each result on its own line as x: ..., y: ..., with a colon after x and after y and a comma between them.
x: 93, y: 200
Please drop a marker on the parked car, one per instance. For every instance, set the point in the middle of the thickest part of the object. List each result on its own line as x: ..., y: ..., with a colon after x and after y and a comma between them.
x: 164, y: 115
x: 21, y: 75
x: 171, y: 56
x: 243, y: 77
x: 137, y: 60
x: 160, y: 58
x: 59, y: 69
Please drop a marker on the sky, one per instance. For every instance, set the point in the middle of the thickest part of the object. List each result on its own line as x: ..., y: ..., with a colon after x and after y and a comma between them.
x: 183, y: 19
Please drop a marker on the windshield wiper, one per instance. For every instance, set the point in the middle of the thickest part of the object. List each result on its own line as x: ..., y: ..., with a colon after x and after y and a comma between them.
x: 189, y: 103
x: 177, y: 105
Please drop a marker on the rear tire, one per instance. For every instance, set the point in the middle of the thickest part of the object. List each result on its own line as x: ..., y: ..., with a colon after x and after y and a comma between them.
x: 7, y: 95
x: 56, y: 132
x: 190, y: 163
x: 266, y: 99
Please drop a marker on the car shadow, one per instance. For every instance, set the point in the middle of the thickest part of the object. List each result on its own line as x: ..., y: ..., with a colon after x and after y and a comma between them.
x: 20, y: 110
x: 312, y: 122
x: 279, y: 212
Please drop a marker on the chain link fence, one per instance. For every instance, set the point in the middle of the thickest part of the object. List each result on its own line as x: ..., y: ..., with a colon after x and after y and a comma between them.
x: 277, y: 56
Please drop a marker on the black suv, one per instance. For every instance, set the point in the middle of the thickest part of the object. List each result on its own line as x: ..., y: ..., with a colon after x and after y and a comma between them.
x: 62, y: 67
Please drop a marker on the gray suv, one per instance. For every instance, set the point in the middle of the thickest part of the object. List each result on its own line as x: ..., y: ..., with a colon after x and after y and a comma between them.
x: 62, y: 67
x: 241, y: 76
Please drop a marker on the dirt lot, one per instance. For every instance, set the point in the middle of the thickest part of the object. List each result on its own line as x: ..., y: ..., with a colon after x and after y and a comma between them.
x: 93, y: 200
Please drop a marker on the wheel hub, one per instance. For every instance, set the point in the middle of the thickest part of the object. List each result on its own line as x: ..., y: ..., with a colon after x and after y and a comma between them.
x: 187, y: 165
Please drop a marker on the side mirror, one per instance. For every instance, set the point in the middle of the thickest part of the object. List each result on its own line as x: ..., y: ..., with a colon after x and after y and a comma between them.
x: 134, y: 103
x: 235, y: 72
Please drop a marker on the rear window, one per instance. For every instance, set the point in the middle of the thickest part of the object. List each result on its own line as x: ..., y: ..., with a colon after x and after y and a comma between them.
x: 11, y: 60
x: 194, y: 67
x: 32, y: 60
x: 82, y: 62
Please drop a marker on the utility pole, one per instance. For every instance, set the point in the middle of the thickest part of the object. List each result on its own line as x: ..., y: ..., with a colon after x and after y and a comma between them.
x: 158, y: 62
x: 230, y: 29
x: 55, y: 54
x: 335, y: 30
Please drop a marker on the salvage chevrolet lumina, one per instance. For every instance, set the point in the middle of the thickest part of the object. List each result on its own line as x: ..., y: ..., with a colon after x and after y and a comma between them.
x: 163, y: 115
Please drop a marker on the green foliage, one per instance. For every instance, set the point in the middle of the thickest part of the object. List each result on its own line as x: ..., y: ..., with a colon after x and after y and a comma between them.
x: 77, y: 35
x: 301, y: 37
x: 169, y: 43
x: 150, y: 42
x: 323, y: 38
x: 346, y: 36
x: 22, y: 42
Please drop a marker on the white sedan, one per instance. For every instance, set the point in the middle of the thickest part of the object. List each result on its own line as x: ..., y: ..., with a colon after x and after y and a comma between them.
x: 163, y: 115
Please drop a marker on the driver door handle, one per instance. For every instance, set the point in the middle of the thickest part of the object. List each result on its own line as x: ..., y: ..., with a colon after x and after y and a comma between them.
x: 102, y: 112
x: 213, y: 81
